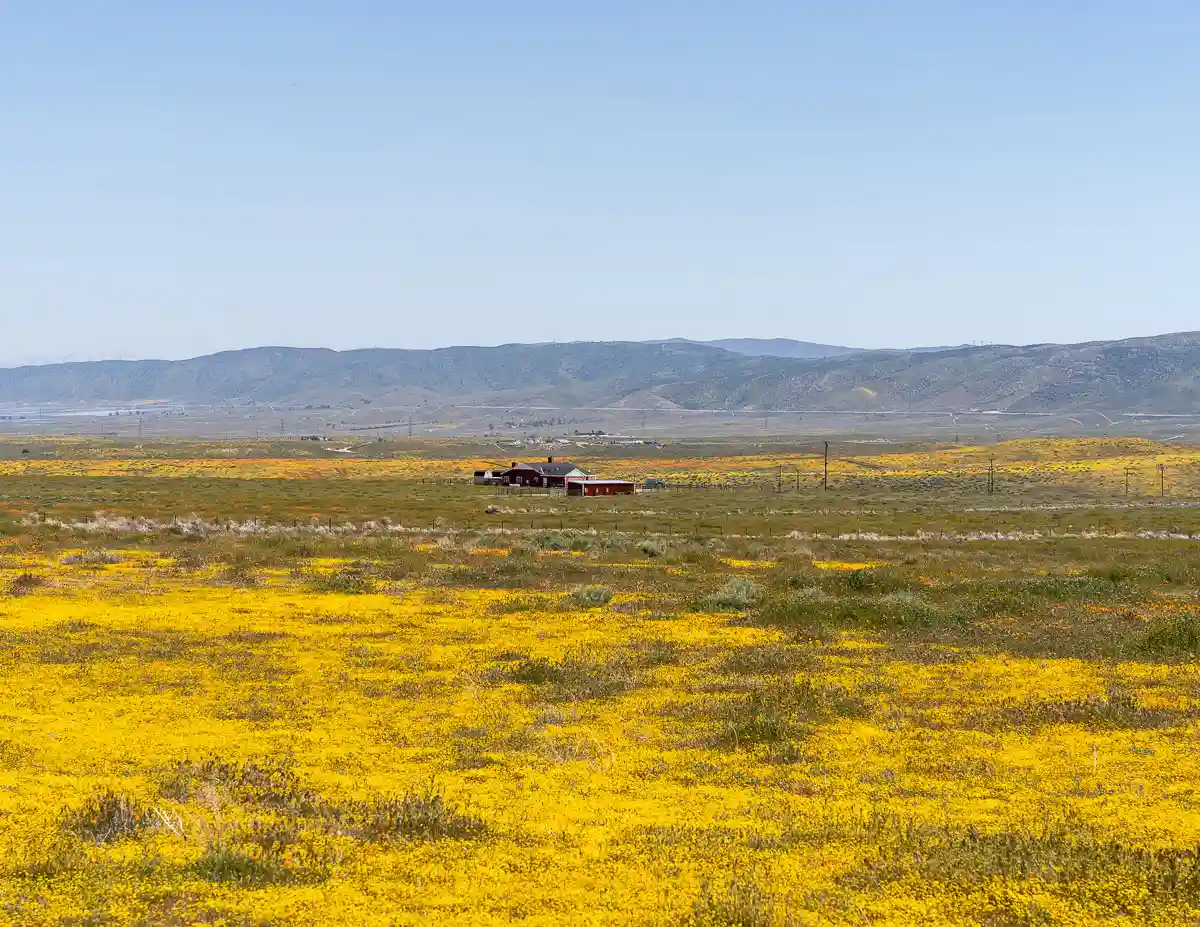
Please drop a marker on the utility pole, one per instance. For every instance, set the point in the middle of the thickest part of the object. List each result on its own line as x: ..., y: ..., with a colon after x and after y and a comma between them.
x: 991, y: 476
x: 825, y: 476
x: 410, y: 424
x: 1127, y: 469
x: 779, y: 479
x: 1162, y: 479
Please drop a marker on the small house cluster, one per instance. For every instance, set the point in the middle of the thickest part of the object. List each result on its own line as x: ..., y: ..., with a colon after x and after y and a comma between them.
x: 553, y: 474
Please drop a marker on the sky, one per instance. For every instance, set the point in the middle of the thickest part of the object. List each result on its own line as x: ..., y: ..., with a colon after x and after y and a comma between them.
x: 183, y: 178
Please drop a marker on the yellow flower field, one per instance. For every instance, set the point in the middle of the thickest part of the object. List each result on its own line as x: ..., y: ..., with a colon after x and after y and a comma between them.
x: 186, y: 743
x: 1098, y: 463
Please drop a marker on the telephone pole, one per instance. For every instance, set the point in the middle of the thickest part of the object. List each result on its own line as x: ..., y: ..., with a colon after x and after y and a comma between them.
x: 1127, y: 469
x: 825, y: 475
x: 1162, y: 480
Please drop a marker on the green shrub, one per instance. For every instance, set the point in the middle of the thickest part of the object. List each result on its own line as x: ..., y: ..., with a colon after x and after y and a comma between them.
x: 737, y: 595
x: 591, y: 597
x: 346, y: 581
x: 874, y: 579
x: 553, y: 541
x: 809, y: 610
x: 1179, y: 637
x: 652, y: 547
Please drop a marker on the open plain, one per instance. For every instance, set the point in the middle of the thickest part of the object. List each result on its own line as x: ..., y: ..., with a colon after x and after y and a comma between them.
x: 257, y: 683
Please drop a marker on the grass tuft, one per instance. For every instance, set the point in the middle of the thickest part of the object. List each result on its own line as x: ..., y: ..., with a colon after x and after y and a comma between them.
x: 108, y: 817
x: 416, y: 815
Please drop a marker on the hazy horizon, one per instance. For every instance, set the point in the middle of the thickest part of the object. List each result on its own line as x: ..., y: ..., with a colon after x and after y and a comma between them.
x: 188, y: 179
x: 31, y: 361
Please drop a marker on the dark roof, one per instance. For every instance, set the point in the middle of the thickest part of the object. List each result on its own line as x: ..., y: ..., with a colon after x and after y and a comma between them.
x: 603, y: 482
x: 558, y: 468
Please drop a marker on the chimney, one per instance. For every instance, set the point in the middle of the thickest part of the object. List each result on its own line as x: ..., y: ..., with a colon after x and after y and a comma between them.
x: 549, y: 460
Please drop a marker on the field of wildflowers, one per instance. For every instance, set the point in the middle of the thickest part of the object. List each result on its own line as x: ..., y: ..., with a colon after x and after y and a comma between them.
x: 554, y: 724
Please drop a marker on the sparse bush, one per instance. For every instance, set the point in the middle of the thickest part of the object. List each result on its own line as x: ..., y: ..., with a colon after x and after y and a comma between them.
x: 780, y: 711
x: 577, y: 675
x: 591, y: 597
x: 520, y: 551
x: 552, y: 541
x: 1117, y: 708
x: 737, y: 595
x: 223, y: 862
x: 522, y: 602
x: 807, y: 610
x: 267, y: 853
x: 423, y: 815
x: 242, y: 575
x: 765, y: 660
x: 652, y: 547
x: 94, y: 557
x: 1179, y: 637
x: 269, y: 783
x: 655, y: 651
x: 874, y: 579
x: 190, y: 561
x: 898, y: 610
x: 25, y: 583
x: 346, y: 581
x: 740, y: 904
x: 13, y: 754
x: 108, y: 817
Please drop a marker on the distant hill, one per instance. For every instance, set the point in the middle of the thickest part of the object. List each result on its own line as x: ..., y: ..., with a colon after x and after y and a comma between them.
x: 787, y: 347
x: 1159, y: 374
x: 776, y: 347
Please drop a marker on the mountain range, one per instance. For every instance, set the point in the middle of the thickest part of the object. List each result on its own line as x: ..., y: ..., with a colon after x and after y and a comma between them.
x: 1157, y: 374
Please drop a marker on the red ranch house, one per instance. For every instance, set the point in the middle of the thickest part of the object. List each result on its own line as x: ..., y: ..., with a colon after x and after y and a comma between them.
x: 549, y: 474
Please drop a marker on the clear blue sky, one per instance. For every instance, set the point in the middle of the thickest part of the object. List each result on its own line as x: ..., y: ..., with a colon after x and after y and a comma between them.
x: 179, y: 178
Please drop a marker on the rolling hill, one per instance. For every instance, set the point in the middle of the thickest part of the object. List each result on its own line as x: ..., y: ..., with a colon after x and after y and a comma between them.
x: 1157, y: 374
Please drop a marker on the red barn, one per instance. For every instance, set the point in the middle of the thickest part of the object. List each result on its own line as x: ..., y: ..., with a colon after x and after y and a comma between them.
x: 598, y: 487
